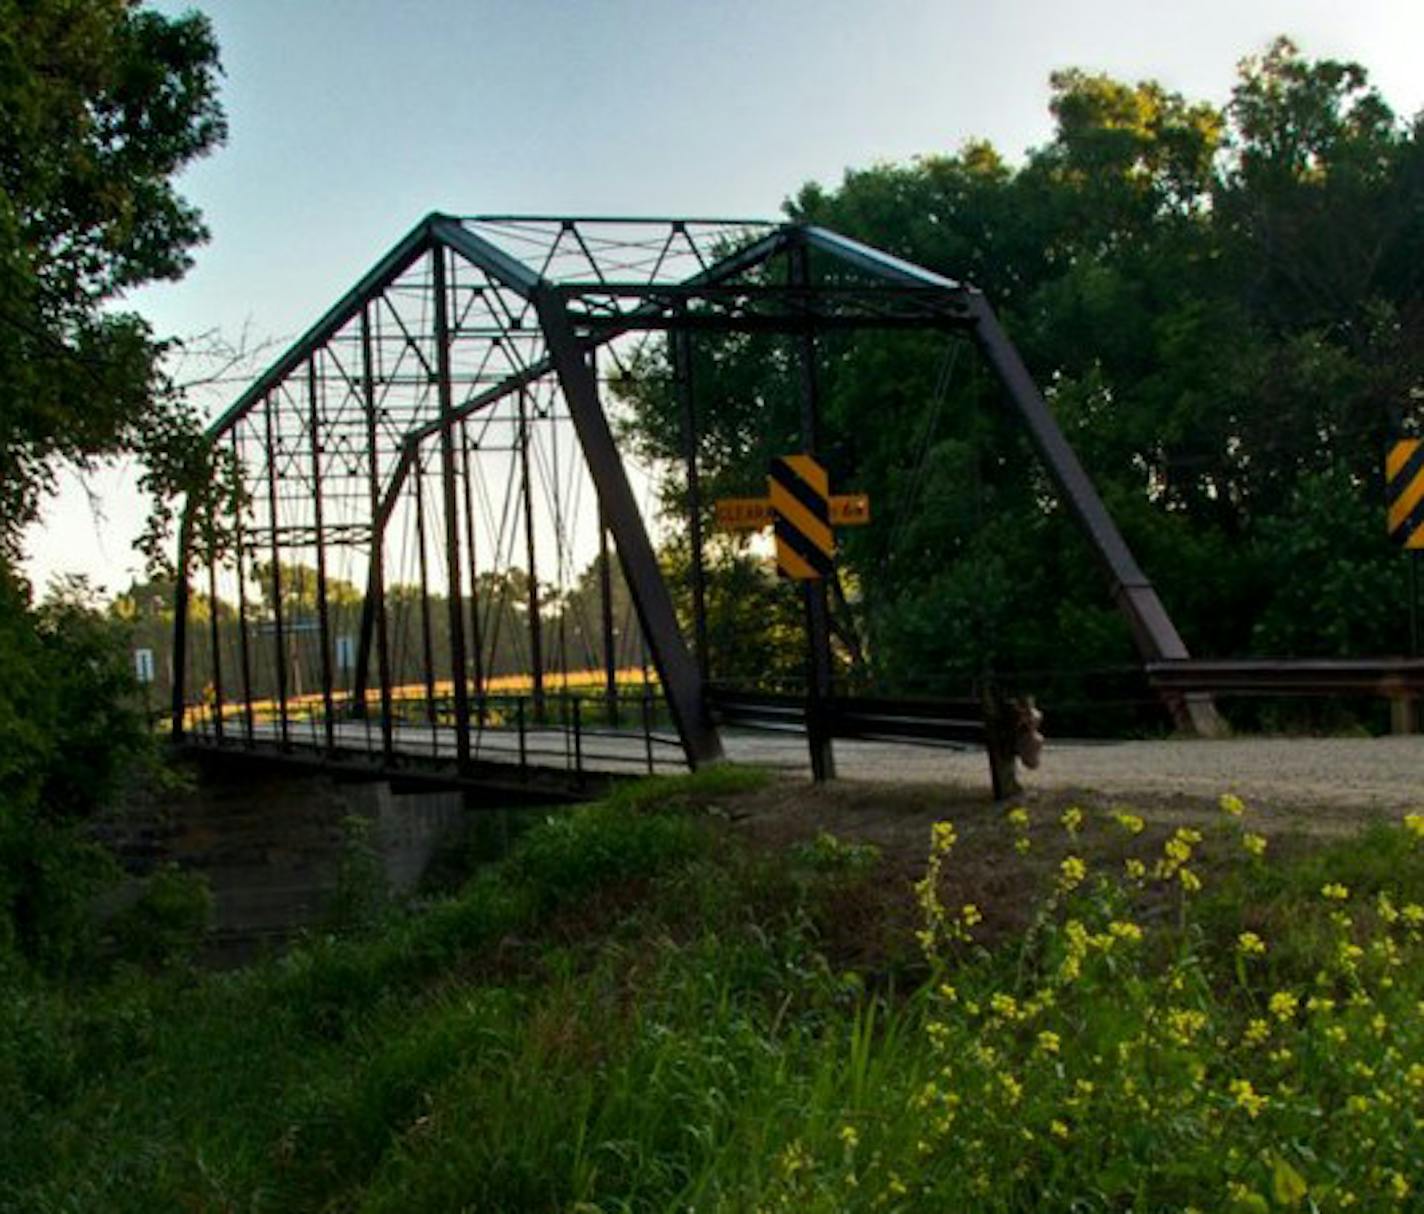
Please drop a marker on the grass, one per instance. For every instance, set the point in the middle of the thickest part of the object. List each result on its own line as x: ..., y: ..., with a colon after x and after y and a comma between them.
x: 640, y: 1011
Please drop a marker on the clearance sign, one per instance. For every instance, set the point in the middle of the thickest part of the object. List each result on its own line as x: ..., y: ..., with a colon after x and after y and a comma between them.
x: 801, y: 509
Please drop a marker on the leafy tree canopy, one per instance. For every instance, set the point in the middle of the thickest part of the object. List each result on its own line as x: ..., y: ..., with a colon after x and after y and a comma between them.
x: 101, y: 104
x: 1225, y: 307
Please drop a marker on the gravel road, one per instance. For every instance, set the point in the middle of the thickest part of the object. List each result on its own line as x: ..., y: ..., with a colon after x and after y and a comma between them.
x: 1385, y: 775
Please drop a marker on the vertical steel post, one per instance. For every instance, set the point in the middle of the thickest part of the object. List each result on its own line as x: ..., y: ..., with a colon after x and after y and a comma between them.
x: 215, y: 636
x: 323, y: 617
x: 605, y: 594
x: 458, y: 671
x: 523, y: 742
x: 476, y: 633
x: 426, y: 642
x: 240, y: 551
x: 279, y: 634
x: 375, y: 603
x: 177, y: 693
x: 577, y: 709
x: 1413, y: 602
x: 536, y: 627
x: 817, y: 604
x: 687, y: 408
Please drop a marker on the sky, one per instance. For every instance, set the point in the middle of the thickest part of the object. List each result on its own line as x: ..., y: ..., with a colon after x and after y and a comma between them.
x: 351, y: 119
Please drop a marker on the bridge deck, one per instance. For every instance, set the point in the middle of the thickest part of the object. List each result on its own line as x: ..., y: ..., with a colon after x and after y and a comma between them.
x: 555, y: 756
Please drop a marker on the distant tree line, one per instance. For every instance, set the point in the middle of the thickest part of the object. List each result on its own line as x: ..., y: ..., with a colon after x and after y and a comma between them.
x: 571, y: 625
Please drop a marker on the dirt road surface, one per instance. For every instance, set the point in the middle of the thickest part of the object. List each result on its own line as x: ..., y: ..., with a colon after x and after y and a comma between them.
x: 1382, y: 776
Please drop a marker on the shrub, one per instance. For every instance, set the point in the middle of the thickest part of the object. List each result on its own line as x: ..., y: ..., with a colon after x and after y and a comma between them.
x: 167, y: 923
x: 70, y: 732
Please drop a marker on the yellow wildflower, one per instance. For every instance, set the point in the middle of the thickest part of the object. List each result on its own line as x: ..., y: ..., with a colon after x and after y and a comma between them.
x: 1248, y: 944
x: 1049, y: 1042
x: 1257, y: 1030
x: 943, y: 837
x: 1072, y: 819
x: 1185, y: 1023
x: 1022, y: 845
x: 1191, y: 883
x: 1254, y: 844
x: 1177, y: 851
x: 971, y: 915
x: 1283, y: 1005
x: 1398, y: 1186
x: 1130, y: 822
x: 849, y: 1137
x: 794, y: 1159
x: 1123, y: 929
x: 1334, y: 891
x: 1232, y: 804
x: 1246, y: 1097
x: 1005, y: 1006
x: 1072, y: 871
x: 1414, y: 824
x: 1134, y: 869
x: 1058, y: 1128
x: 1018, y: 817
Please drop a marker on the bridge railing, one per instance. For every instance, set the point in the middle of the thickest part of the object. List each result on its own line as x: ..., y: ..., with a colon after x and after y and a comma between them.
x: 558, y: 733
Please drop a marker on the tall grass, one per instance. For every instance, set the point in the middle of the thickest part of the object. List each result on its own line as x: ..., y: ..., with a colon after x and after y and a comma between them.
x: 637, y: 1012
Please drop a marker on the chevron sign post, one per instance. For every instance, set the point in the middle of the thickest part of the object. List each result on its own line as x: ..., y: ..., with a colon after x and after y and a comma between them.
x: 801, y: 509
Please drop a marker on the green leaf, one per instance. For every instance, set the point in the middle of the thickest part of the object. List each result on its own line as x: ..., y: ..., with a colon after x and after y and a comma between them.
x: 1287, y: 1185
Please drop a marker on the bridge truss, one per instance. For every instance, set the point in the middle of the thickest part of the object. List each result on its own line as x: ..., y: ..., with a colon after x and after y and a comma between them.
x: 406, y: 489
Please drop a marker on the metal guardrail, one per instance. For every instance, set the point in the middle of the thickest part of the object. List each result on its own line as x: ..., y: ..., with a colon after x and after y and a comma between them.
x: 948, y: 722
x: 1399, y: 680
x: 1389, y: 677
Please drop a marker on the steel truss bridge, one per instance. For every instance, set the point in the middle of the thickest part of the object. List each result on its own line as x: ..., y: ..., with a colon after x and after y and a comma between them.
x: 427, y: 551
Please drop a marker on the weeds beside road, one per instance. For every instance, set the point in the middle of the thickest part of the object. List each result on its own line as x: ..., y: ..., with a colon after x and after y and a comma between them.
x: 679, y: 1000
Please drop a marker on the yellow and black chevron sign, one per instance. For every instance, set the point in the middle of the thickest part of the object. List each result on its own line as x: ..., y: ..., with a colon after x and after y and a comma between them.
x: 1404, y: 490
x: 800, y: 493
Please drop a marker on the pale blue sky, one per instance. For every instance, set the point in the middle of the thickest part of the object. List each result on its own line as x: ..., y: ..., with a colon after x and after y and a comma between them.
x: 349, y: 120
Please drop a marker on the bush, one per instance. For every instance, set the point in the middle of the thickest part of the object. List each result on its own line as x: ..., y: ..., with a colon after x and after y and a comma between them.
x: 70, y: 731
x: 167, y: 923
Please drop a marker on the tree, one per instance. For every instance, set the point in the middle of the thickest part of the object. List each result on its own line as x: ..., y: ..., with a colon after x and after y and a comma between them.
x: 102, y: 103
x: 1225, y: 308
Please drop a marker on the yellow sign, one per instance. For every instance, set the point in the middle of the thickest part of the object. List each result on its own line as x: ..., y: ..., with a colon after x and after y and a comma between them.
x: 1404, y: 490
x: 800, y: 507
x: 800, y: 493
x: 754, y: 513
